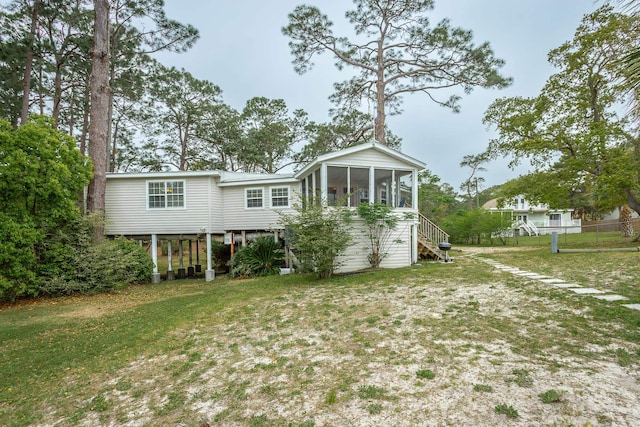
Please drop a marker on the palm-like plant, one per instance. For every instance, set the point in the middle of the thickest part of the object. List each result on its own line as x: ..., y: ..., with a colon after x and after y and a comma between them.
x: 262, y: 257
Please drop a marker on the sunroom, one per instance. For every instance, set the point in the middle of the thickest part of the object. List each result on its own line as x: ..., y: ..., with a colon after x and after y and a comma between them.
x: 368, y: 173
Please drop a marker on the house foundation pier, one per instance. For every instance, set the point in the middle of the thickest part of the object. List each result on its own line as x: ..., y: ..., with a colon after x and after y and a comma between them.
x: 210, y: 273
x: 182, y: 272
x: 191, y: 270
x: 171, y: 275
x: 155, y: 277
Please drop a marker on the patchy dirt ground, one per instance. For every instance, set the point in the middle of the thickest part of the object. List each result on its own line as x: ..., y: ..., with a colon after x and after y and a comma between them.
x: 400, y: 353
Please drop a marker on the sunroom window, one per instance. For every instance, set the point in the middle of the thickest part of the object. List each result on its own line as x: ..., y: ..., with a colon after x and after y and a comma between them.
x: 405, y: 189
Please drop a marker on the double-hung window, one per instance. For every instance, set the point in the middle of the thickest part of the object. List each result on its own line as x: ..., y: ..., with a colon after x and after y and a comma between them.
x: 165, y: 194
x: 280, y: 197
x: 253, y: 198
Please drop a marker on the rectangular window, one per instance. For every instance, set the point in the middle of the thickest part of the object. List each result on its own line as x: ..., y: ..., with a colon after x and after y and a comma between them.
x: 165, y: 194
x: 254, y: 198
x: 280, y: 197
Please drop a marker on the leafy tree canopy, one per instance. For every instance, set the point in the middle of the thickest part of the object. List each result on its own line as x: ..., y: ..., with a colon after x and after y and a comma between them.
x: 394, y: 51
x: 583, y: 153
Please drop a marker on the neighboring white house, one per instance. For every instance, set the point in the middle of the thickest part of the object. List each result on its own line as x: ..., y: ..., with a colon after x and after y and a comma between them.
x: 532, y: 220
x: 233, y: 207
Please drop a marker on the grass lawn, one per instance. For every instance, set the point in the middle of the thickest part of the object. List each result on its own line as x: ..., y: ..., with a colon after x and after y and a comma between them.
x: 436, y: 344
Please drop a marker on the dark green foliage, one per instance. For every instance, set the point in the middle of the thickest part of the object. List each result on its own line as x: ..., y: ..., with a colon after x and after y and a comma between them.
x: 582, y: 153
x: 318, y: 236
x: 46, y: 245
x: 221, y: 255
x: 262, y: 257
x: 88, y: 268
x: 476, y: 225
x: 41, y: 175
x: 17, y: 258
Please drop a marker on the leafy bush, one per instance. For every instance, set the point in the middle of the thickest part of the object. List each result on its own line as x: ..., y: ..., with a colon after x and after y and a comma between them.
x: 262, y: 257
x: 472, y: 226
x: 107, y: 266
x: 17, y: 258
x: 318, y: 235
x: 221, y: 255
x: 42, y: 174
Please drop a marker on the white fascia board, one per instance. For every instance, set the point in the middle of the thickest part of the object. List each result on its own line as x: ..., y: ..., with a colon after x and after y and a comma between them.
x: 415, y: 163
x: 258, y: 182
x: 161, y: 175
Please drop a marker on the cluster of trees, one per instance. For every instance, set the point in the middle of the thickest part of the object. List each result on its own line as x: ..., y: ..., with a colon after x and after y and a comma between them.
x: 580, y: 133
x: 88, y: 65
x: 158, y: 117
x: 46, y: 245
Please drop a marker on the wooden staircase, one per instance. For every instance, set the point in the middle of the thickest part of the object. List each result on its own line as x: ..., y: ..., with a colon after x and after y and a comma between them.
x: 429, y: 235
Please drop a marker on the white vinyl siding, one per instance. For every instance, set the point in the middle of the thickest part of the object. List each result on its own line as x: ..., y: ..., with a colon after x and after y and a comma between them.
x: 254, y: 198
x: 238, y: 217
x: 127, y: 212
x: 280, y: 197
x: 398, y: 254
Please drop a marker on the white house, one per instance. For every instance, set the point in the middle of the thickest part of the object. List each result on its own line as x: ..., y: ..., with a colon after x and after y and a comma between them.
x: 232, y: 206
x: 530, y: 219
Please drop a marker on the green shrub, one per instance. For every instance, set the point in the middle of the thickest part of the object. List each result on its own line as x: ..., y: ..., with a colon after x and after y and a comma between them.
x: 107, y: 266
x: 17, y: 258
x: 318, y: 235
x: 262, y: 257
x: 221, y: 255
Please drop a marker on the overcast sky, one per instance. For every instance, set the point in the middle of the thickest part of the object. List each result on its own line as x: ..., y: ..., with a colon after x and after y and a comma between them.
x: 242, y: 50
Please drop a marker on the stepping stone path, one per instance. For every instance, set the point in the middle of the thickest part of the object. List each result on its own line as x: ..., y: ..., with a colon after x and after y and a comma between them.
x: 561, y: 284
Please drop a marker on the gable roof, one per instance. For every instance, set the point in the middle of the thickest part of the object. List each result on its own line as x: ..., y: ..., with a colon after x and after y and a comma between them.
x: 373, y: 145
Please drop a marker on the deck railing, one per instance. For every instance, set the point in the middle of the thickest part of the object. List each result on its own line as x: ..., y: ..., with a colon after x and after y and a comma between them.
x: 430, y: 231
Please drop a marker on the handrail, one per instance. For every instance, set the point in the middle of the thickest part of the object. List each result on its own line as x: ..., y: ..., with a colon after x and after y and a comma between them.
x: 430, y: 231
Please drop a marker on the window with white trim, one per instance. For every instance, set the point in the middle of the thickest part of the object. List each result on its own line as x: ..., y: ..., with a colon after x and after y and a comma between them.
x: 165, y: 194
x: 280, y: 197
x: 253, y: 197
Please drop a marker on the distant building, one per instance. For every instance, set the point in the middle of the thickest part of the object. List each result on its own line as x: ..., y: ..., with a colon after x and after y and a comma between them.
x: 533, y: 220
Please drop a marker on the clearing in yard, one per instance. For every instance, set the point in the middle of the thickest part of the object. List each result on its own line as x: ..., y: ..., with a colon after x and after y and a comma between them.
x: 463, y: 343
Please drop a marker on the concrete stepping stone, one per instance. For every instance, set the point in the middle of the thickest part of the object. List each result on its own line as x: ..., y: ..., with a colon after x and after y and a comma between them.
x: 632, y: 306
x: 611, y: 297
x: 565, y: 285
x: 531, y: 275
x: 586, y: 291
x: 551, y: 280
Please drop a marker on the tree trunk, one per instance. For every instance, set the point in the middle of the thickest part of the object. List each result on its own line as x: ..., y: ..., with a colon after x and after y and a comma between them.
x: 378, y: 133
x: 626, y: 226
x: 28, y: 67
x: 57, y: 91
x: 99, y: 110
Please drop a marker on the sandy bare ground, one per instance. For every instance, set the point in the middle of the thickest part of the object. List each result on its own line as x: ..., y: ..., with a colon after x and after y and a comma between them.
x: 351, y: 356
